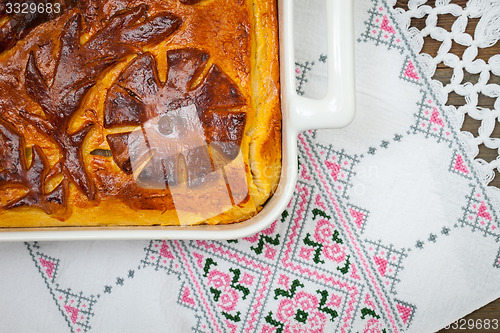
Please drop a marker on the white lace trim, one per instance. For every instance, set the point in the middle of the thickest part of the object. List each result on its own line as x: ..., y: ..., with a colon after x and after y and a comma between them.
x: 486, y: 34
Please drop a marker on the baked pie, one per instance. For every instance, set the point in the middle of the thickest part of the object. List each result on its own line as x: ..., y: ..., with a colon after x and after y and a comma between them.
x: 158, y: 112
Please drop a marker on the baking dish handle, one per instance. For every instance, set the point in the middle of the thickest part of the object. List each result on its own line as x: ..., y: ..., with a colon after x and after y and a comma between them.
x: 337, y: 108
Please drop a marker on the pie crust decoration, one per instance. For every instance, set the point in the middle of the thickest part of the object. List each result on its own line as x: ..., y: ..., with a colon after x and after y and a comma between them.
x: 122, y: 112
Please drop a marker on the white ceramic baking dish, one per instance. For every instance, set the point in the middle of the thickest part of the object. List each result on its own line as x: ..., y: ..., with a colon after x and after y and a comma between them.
x: 335, y: 110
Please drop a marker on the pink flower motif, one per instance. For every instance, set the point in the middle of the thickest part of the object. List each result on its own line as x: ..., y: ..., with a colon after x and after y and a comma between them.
x: 300, y: 314
x: 218, y: 279
x: 228, y: 300
x: 373, y: 326
x: 284, y: 281
x: 324, y: 231
x: 286, y: 310
x: 306, y: 301
x: 305, y: 253
x: 334, y: 252
x: 335, y: 301
x: 268, y: 329
x: 315, y: 323
x: 270, y: 252
x: 247, y: 279
x: 295, y: 328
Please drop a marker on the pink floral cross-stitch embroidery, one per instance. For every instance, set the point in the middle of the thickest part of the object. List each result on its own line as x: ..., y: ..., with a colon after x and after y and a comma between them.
x: 301, y: 311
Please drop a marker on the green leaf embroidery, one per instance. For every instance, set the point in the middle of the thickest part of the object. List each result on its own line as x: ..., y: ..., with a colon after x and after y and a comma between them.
x: 216, y: 293
x: 301, y: 316
x: 366, y: 311
x: 209, y: 262
x: 284, y: 215
x: 346, y: 267
x: 236, y: 285
x: 236, y: 318
x: 265, y: 239
x: 288, y: 293
x: 324, y: 296
x: 269, y: 319
x: 317, y: 248
x: 319, y: 212
x: 336, y: 238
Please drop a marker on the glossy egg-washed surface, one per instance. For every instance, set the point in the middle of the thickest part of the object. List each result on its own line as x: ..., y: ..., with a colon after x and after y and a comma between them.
x: 74, y: 88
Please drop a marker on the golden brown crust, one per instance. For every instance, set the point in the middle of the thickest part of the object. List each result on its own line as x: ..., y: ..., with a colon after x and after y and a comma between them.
x: 78, y: 123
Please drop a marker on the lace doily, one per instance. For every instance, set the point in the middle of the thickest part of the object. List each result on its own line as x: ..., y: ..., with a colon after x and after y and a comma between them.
x: 461, y: 35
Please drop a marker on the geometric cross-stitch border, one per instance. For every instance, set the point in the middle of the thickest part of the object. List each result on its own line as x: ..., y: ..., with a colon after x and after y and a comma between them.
x: 459, y: 166
x: 388, y: 261
x: 478, y: 215
x: 497, y: 260
x: 409, y: 73
x: 379, y: 32
x: 76, y: 308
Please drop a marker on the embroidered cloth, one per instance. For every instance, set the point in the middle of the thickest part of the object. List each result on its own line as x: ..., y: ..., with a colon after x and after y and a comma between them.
x: 392, y: 227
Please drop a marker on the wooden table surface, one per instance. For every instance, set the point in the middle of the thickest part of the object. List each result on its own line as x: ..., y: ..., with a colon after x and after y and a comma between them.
x: 443, y: 74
